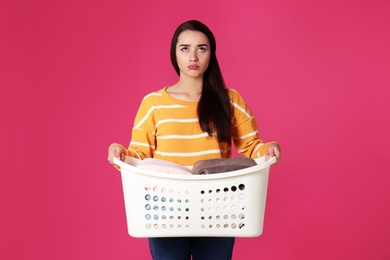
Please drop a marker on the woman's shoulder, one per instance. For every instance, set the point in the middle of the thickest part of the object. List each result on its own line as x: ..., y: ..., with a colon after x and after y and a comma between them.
x: 155, y: 94
x: 234, y: 95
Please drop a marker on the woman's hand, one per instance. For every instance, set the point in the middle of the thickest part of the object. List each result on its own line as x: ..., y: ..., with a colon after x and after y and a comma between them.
x: 116, y: 151
x: 274, y: 150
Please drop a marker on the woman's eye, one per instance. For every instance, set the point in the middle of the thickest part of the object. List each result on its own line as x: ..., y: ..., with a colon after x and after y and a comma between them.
x: 184, y: 49
x: 202, y: 49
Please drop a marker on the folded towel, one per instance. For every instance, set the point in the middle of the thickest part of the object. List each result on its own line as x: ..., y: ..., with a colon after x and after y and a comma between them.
x: 219, y: 165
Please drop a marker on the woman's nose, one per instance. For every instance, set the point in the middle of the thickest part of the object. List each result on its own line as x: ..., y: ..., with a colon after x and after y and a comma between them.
x: 193, y: 57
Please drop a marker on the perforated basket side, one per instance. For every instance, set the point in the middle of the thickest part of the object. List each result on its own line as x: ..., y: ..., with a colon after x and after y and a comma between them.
x: 168, y: 207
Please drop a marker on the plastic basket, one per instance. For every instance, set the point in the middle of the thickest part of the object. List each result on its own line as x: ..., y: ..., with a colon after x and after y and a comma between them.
x: 229, y: 204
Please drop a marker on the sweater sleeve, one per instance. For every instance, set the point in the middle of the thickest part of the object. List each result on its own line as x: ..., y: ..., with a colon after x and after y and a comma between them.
x: 245, y: 132
x: 143, y: 141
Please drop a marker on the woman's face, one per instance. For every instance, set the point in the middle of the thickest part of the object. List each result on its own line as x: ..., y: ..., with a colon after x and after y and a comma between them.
x: 192, y: 53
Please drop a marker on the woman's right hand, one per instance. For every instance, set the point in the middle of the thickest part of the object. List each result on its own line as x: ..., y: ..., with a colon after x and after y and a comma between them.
x: 116, y: 151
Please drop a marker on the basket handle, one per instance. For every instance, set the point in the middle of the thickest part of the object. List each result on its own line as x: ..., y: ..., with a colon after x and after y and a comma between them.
x: 262, y: 161
x: 119, y: 163
x: 271, y: 160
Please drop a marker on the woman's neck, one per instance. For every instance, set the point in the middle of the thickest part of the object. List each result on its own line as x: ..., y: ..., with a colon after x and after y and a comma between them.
x: 187, y: 89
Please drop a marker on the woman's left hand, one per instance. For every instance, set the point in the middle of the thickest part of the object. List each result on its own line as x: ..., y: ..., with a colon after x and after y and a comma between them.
x: 274, y: 150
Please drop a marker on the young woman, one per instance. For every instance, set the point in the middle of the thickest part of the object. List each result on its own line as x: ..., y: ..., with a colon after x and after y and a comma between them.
x: 195, y: 119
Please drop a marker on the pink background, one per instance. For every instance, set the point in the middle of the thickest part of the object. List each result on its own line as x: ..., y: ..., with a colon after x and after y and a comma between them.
x: 315, y: 74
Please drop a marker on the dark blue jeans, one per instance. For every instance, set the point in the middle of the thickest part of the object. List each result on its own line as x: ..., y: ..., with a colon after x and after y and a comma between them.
x: 201, y: 248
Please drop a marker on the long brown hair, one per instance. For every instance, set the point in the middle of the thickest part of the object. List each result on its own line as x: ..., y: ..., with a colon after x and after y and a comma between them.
x: 214, y: 109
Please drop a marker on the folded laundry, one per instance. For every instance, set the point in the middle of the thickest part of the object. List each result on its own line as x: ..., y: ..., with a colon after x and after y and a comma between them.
x: 219, y: 165
x: 164, y: 166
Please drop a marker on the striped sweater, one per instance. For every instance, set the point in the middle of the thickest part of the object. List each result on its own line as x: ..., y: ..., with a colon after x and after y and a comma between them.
x: 167, y: 128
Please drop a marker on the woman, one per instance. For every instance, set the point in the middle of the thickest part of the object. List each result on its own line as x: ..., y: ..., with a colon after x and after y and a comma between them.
x: 195, y: 119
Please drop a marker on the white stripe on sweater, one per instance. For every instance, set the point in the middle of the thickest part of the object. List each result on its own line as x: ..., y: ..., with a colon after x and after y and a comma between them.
x: 151, y: 110
x: 241, y: 109
x: 143, y: 145
x: 245, y: 136
x: 170, y: 120
x: 182, y: 136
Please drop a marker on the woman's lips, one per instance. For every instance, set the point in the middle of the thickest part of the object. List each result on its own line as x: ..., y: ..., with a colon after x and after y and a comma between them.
x: 193, y: 67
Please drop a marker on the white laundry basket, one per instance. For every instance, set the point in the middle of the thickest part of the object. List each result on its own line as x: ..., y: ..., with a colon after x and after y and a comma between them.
x: 229, y: 204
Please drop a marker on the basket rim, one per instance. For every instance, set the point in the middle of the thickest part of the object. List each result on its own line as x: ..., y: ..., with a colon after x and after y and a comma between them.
x: 130, y: 163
